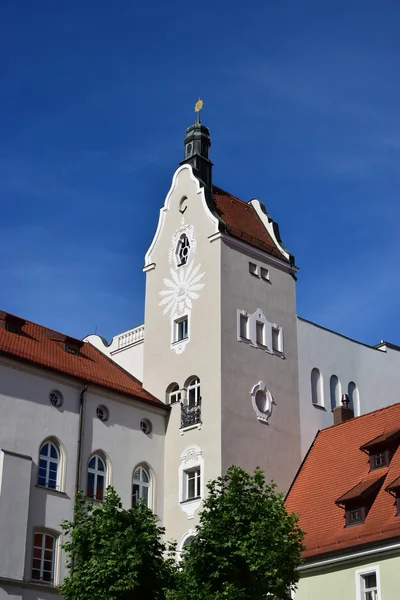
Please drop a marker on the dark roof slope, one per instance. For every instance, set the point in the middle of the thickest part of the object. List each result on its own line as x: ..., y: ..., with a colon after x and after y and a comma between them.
x: 334, y: 467
x: 243, y: 223
x: 45, y: 347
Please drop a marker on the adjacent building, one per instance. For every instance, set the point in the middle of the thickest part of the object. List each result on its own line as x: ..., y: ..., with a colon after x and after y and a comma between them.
x: 347, y: 495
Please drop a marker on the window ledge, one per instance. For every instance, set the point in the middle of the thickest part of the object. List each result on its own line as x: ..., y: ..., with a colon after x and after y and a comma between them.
x: 189, y: 427
x: 176, y: 342
x: 51, y: 490
x: 189, y: 500
x: 319, y: 407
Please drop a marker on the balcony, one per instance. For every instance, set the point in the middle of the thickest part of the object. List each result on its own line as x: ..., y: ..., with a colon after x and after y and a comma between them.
x: 190, y: 415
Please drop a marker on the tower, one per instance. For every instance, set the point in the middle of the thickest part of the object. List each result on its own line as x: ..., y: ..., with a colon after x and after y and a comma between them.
x: 221, y: 337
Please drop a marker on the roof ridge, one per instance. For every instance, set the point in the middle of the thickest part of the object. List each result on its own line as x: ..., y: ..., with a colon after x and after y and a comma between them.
x: 47, y: 329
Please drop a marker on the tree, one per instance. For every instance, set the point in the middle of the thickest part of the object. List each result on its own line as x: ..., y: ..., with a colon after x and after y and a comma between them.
x: 116, y: 554
x: 247, y: 547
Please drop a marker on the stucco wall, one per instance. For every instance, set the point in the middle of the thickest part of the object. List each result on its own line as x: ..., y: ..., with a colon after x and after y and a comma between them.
x: 375, y: 372
x: 245, y: 440
x: 340, y: 582
x: 28, y: 419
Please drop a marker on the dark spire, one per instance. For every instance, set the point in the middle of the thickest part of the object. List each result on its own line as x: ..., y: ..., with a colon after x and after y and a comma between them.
x: 197, y: 143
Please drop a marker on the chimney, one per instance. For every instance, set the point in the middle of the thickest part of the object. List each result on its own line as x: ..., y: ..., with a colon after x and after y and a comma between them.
x: 344, y: 412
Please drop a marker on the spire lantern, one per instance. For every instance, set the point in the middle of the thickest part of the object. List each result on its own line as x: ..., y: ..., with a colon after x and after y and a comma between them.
x: 197, y: 143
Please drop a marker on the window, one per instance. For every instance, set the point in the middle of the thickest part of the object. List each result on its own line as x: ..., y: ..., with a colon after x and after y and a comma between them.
x: 264, y: 274
x: 43, y: 557
x: 316, y: 388
x: 193, y: 392
x: 355, y: 515
x: 334, y: 391
x: 253, y: 269
x: 244, y: 326
x: 369, y: 587
x: 260, y: 333
x: 146, y: 426
x: 49, y: 459
x: 181, y: 329
x: 182, y: 250
x: 173, y: 393
x: 102, y: 413
x: 141, y: 485
x: 380, y: 458
x: 276, y: 339
x: 192, y: 482
x: 398, y: 503
x: 354, y: 398
x: 96, y: 478
x: 55, y: 398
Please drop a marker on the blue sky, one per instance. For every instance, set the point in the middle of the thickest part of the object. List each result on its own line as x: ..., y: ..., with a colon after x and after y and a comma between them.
x: 302, y: 99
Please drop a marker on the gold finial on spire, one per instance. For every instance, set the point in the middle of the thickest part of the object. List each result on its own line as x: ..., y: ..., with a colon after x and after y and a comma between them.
x: 198, y: 106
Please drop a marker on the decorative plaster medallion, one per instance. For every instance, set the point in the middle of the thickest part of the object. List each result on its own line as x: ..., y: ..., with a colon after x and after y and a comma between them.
x: 182, y: 289
x: 189, y: 231
x: 262, y: 401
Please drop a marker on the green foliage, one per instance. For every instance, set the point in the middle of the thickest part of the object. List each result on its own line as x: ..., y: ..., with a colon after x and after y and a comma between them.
x: 247, y: 546
x: 116, y: 554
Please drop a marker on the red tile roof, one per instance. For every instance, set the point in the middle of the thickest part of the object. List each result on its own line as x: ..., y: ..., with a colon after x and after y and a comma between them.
x: 243, y: 223
x: 333, y: 467
x: 44, y: 347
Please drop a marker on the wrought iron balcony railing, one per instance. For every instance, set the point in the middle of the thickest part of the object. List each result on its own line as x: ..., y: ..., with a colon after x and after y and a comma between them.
x: 190, y: 415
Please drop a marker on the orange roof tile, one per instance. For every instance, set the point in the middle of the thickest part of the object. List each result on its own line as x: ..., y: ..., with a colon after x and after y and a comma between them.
x: 44, y: 347
x: 334, y: 466
x: 243, y: 223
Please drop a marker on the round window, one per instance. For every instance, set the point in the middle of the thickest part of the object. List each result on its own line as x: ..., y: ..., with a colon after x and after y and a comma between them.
x: 56, y: 398
x: 261, y: 401
x: 102, y: 413
x: 146, y: 426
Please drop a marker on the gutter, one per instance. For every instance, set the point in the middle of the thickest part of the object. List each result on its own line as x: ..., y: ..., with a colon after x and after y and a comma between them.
x: 80, y: 437
x: 349, y: 557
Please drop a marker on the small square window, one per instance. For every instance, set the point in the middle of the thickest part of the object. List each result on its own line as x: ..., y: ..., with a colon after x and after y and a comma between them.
x: 355, y: 515
x: 276, y: 340
x: 181, y: 329
x: 244, y: 326
x: 260, y: 333
x: 379, y: 459
x: 264, y: 274
x: 253, y: 269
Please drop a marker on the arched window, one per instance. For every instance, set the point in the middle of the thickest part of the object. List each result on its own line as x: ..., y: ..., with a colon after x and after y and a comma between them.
x: 354, y: 398
x: 335, y: 391
x: 182, y: 250
x: 141, y: 486
x: 316, y: 388
x: 173, y: 393
x: 96, y: 478
x: 193, y: 397
x: 49, y: 463
x: 44, y: 548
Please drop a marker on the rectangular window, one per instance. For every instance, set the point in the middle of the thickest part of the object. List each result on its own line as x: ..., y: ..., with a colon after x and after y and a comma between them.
x: 181, y: 329
x: 398, y: 503
x: 276, y: 340
x: 369, y: 587
x: 260, y: 334
x: 192, y: 484
x: 356, y: 515
x: 244, y: 327
x: 380, y: 459
x: 253, y: 269
x: 43, y: 557
x: 264, y: 274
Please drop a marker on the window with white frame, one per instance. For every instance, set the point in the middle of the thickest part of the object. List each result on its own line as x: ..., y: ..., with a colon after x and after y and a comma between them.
x: 368, y: 584
x: 193, y: 397
x: 181, y: 329
x: 260, y: 333
x: 192, y: 483
x: 173, y: 393
x: 316, y: 388
x: 96, y: 478
x: 264, y: 274
x: 44, y: 546
x: 141, y: 486
x: 253, y: 269
x: 49, y: 463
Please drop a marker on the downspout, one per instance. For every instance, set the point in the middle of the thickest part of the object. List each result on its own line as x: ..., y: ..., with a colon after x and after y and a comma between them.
x: 80, y: 436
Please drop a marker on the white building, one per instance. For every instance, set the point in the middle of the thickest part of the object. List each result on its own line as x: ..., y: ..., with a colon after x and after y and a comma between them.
x: 230, y: 375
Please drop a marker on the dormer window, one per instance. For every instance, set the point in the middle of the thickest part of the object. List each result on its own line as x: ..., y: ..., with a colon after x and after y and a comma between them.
x: 355, y: 515
x: 381, y: 449
x: 358, y: 500
x: 14, y: 324
x: 379, y: 459
x: 73, y: 346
